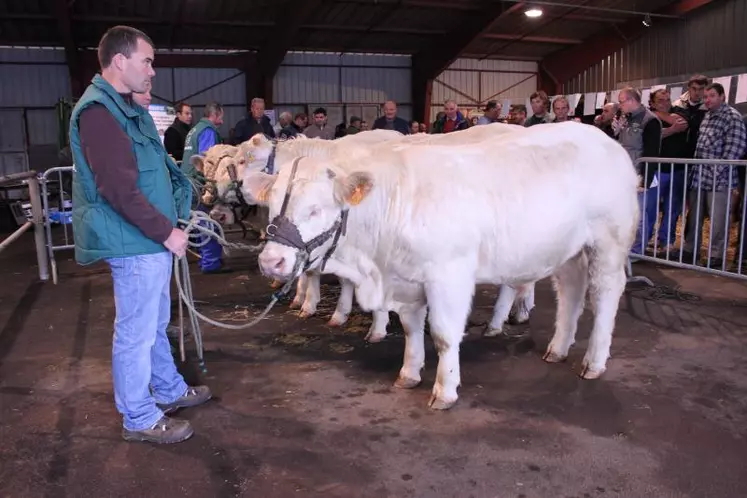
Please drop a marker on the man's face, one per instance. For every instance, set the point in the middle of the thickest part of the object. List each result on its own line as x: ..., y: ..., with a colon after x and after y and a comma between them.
x: 217, y: 119
x: 608, y: 112
x: 356, y: 124
x: 662, y: 102
x: 415, y: 127
x: 538, y: 106
x: 301, y: 122
x: 450, y: 109
x: 258, y: 110
x: 137, y: 71
x: 186, y: 115
x: 696, y: 92
x: 319, y: 119
x: 560, y: 108
x: 142, y: 99
x: 627, y: 103
x: 713, y: 100
x: 390, y: 110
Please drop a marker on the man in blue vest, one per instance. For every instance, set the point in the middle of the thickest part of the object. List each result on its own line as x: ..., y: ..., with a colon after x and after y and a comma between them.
x: 204, y: 135
x: 127, y: 197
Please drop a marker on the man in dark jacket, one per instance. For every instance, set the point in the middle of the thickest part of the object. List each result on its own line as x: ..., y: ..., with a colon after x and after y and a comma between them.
x: 176, y: 134
x: 390, y: 121
x: 295, y: 128
x: 691, y: 105
x: 452, y: 119
x: 255, y: 123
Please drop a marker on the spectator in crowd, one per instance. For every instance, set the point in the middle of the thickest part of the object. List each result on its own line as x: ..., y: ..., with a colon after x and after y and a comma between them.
x: 742, y: 210
x: 722, y: 136
x: 364, y: 125
x: 692, y: 105
x: 320, y: 128
x: 604, y: 120
x: 255, y: 122
x: 340, y: 130
x: 176, y: 134
x: 539, y: 102
x: 390, y: 120
x: 517, y: 114
x: 143, y: 99
x: 451, y: 120
x: 294, y: 128
x: 423, y: 128
x: 671, y: 180
x: 284, y: 120
x: 355, y: 125
x: 561, y: 108
x: 127, y: 197
x: 204, y: 135
x: 640, y: 135
x: 490, y: 113
x: 414, y: 126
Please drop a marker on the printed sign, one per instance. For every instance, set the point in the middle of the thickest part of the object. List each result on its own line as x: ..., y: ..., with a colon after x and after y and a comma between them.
x: 163, y: 116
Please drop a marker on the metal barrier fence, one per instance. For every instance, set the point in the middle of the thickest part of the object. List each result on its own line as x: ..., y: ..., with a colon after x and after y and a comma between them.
x: 30, y: 179
x: 63, y: 218
x: 680, y: 194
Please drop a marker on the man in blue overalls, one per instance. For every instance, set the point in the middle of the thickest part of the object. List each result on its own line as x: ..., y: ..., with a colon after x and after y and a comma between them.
x: 204, y: 135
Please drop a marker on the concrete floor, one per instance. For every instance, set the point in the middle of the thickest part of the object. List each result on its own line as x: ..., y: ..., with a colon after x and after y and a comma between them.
x: 304, y: 410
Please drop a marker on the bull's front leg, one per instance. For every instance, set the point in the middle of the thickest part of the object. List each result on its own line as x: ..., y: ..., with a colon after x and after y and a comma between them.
x: 449, y: 299
x: 298, y: 299
x: 377, y: 331
x: 313, y: 295
x: 344, y: 303
x: 501, y: 311
x: 523, y: 304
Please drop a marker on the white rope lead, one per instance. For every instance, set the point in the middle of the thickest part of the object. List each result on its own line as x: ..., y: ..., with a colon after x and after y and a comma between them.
x: 184, y: 281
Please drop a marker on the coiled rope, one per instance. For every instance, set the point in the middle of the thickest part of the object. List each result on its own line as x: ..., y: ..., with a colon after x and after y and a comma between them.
x: 213, y: 230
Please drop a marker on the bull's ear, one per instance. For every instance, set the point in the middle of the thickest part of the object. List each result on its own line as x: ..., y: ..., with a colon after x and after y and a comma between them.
x: 353, y: 188
x: 198, y: 162
x: 257, y: 186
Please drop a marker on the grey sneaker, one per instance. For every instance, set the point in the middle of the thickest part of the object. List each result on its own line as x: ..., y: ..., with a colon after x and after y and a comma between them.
x: 194, y: 396
x: 165, y: 431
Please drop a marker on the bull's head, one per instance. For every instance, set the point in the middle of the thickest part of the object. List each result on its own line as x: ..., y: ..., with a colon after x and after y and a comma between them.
x: 215, y: 165
x: 320, y: 193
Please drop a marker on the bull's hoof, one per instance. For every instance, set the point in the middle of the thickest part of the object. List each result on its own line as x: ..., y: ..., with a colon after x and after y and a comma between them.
x: 492, y: 332
x: 276, y: 284
x: 589, y: 373
x: 305, y: 314
x: 440, y: 404
x: 553, y: 357
x: 406, y: 383
x: 296, y: 304
x: 337, y: 320
x: 375, y: 336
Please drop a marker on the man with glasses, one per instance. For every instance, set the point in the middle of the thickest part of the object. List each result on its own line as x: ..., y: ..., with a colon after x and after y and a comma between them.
x: 640, y: 135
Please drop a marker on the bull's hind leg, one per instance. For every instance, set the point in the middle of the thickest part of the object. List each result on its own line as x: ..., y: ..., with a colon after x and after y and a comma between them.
x: 413, y: 321
x: 607, y: 284
x: 523, y: 304
x: 570, y: 282
x: 506, y: 297
x: 449, y: 300
x: 377, y: 331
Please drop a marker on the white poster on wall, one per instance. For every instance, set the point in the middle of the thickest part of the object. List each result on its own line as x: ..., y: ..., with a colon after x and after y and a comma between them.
x: 741, y: 95
x: 601, y: 97
x: 505, y: 107
x: 270, y: 113
x: 163, y: 116
x: 530, y: 113
x: 725, y: 81
x: 645, y: 96
x: 573, y: 102
x: 675, y: 92
x: 615, y: 96
x: 589, y: 102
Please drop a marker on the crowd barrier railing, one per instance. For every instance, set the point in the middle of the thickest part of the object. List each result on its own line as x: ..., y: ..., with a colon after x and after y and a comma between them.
x: 676, y: 197
x: 30, y: 179
x: 61, y: 215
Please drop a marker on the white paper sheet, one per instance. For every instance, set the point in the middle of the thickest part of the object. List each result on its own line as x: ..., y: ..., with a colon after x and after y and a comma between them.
x: 615, y: 96
x: 601, y: 96
x: 573, y: 102
x: 529, y: 108
x: 645, y: 96
x: 726, y: 83
x: 657, y: 87
x: 589, y: 102
x: 675, y: 92
x: 506, y: 107
x: 741, y: 89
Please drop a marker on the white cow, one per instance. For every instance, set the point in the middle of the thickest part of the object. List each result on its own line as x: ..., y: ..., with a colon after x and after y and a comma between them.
x: 425, y: 224
x: 518, y: 301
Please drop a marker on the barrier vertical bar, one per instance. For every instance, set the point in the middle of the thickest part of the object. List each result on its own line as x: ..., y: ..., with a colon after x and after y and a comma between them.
x: 38, y: 219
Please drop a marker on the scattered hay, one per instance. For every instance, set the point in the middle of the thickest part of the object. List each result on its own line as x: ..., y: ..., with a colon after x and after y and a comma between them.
x: 296, y: 340
x: 340, y: 348
x: 732, y: 251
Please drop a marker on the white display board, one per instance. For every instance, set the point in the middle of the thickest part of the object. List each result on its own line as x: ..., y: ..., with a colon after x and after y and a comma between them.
x: 163, y: 116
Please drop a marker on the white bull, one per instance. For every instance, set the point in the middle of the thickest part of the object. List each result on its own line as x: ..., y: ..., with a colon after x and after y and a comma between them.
x: 517, y: 209
x: 517, y: 301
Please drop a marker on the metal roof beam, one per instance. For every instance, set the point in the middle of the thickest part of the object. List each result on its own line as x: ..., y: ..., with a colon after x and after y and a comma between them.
x: 443, y: 52
x: 569, y: 62
x: 65, y: 29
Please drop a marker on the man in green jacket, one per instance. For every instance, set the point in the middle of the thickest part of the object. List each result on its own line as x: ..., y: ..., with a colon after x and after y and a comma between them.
x: 127, y: 197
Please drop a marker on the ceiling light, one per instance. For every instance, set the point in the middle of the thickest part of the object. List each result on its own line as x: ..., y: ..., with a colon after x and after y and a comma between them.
x: 533, y: 12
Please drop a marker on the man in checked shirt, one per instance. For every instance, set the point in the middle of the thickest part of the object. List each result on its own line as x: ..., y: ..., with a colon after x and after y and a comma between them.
x: 722, y: 136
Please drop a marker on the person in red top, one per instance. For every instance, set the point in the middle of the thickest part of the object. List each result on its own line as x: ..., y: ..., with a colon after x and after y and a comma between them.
x: 453, y: 119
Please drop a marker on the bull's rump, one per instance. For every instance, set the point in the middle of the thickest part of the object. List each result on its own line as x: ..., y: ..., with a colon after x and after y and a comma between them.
x: 518, y: 206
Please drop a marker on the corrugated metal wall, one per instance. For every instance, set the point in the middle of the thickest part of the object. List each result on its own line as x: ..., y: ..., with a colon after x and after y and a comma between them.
x: 711, y: 41
x: 471, y: 83
x: 345, y: 85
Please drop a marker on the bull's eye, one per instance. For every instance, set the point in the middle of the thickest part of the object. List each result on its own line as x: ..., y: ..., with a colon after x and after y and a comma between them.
x: 314, y: 211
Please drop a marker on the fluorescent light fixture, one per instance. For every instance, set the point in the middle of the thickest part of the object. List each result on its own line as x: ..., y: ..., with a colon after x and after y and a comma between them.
x: 533, y: 12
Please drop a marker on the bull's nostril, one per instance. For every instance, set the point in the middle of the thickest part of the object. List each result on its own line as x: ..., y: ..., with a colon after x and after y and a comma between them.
x: 279, y: 263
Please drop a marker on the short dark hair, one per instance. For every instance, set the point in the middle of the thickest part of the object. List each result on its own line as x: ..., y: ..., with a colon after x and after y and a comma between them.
x: 632, y: 93
x: 539, y: 95
x: 120, y: 40
x: 697, y: 79
x: 320, y: 110
x: 212, y: 108
x: 300, y: 115
x: 716, y: 86
x: 179, y: 107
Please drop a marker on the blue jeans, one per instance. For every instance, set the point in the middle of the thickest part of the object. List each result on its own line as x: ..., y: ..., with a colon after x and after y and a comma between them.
x: 141, y: 354
x: 211, y: 254
x: 668, y: 228
x: 647, y: 220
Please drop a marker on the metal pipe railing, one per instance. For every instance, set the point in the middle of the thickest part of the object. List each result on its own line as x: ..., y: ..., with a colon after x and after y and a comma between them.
x: 37, y: 220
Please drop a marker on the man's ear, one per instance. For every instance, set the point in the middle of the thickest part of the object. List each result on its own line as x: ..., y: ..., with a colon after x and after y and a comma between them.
x: 353, y: 188
x: 257, y: 186
x: 198, y: 162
